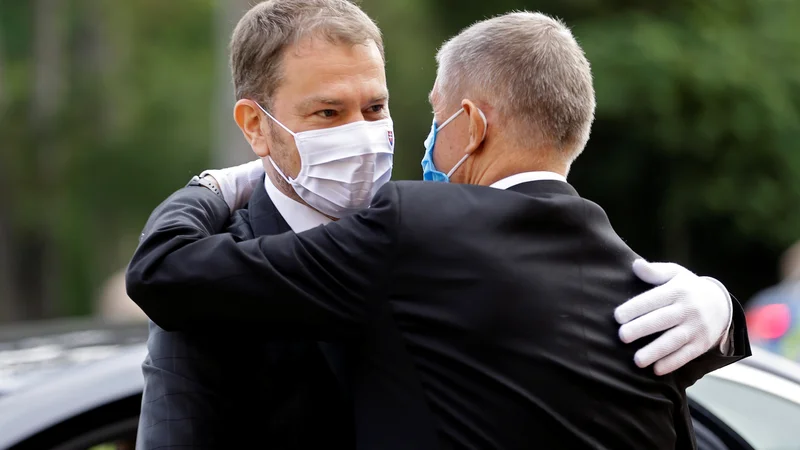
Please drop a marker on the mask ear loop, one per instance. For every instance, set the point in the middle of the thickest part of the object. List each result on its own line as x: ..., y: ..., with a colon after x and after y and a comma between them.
x: 452, y: 118
x: 485, y: 122
x: 276, y: 120
x: 464, y: 158
x: 275, y: 166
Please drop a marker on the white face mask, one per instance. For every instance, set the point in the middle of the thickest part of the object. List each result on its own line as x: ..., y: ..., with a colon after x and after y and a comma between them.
x: 342, y: 167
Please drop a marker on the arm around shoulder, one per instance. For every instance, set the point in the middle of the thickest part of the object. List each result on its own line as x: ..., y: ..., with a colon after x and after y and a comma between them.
x: 738, y: 349
x: 189, y: 214
x: 317, y: 283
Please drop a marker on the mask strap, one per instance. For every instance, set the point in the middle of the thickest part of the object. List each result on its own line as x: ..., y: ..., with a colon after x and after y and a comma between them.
x: 452, y: 118
x: 458, y: 164
x: 464, y: 158
x: 276, y: 121
x: 277, y: 169
x: 280, y: 172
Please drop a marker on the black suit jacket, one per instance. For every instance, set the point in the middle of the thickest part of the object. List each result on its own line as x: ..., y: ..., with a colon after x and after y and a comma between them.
x: 478, y: 318
x: 224, y: 386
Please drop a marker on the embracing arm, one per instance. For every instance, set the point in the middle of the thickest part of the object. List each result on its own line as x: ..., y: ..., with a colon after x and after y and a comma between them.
x: 738, y: 347
x: 187, y: 274
x: 702, y: 327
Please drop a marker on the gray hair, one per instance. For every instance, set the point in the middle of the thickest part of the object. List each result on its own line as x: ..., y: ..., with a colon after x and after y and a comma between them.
x: 531, y: 69
x: 266, y: 30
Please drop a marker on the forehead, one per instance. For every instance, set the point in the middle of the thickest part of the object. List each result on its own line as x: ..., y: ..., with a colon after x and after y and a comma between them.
x: 319, y: 67
x: 435, y: 98
x: 433, y: 95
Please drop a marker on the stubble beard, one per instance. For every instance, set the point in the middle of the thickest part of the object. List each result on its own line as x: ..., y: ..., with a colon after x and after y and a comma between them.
x: 282, y: 155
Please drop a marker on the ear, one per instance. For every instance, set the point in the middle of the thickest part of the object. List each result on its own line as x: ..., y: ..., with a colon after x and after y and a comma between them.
x: 248, y: 116
x: 478, y: 126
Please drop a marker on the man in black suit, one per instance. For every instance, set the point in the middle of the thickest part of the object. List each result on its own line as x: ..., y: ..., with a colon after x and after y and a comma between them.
x: 223, y: 386
x: 477, y: 315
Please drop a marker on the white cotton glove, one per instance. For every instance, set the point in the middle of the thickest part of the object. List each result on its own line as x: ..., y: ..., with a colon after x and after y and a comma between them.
x: 694, y: 311
x: 237, y: 183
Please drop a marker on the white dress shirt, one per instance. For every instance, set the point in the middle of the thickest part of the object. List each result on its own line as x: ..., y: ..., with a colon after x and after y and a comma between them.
x: 525, y: 177
x: 299, y: 216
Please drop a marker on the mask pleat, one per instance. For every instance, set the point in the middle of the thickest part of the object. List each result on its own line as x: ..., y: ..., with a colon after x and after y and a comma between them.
x: 343, y: 167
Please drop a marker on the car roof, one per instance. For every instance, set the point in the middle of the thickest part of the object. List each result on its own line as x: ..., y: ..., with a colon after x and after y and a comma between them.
x: 58, y: 369
x: 759, y: 379
x: 75, y: 390
x: 33, y: 353
x: 73, y: 329
x: 774, y: 364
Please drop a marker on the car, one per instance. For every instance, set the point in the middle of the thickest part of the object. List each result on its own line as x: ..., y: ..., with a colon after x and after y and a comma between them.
x: 77, y: 384
x: 71, y: 384
x: 757, y: 399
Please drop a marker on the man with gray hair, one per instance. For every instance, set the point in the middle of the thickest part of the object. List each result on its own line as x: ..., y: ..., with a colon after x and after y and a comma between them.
x: 477, y: 311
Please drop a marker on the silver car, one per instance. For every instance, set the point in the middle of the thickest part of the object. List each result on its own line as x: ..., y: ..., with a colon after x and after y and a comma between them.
x: 74, y: 385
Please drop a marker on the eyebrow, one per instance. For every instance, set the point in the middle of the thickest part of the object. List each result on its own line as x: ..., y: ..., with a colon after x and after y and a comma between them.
x: 308, y: 103
x: 381, y: 98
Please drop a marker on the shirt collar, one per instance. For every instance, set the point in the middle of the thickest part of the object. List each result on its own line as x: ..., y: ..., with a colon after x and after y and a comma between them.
x: 526, y: 177
x: 300, y: 217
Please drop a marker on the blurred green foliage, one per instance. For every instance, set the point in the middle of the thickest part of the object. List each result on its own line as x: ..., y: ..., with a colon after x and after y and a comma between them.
x: 692, y: 153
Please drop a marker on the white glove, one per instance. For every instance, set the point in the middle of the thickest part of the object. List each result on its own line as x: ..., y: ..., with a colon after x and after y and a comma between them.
x: 237, y: 183
x: 695, y: 311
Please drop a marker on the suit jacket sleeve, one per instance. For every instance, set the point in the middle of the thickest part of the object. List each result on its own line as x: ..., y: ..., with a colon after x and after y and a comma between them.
x: 714, y: 359
x: 314, y: 284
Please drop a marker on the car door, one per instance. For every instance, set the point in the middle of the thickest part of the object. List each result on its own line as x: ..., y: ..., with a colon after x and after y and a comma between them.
x: 711, y: 433
x: 748, y: 406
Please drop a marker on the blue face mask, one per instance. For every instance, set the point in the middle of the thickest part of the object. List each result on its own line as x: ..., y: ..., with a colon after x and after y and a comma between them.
x: 429, y: 171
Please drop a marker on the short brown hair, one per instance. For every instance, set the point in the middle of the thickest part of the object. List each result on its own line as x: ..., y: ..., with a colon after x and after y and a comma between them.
x: 269, y: 27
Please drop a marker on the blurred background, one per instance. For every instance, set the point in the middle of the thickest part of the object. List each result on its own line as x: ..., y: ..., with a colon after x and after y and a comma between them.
x: 106, y: 107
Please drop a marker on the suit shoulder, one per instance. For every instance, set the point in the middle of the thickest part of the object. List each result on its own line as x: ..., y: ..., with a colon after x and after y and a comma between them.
x: 419, y: 201
x: 429, y: 189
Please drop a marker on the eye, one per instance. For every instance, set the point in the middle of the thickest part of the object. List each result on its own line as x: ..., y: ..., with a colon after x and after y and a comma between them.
x: 377, y: 108
x: 326, y: 113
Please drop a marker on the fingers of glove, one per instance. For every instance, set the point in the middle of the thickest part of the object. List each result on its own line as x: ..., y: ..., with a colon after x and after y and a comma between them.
x: 666, y: 344
x: 655, y: 273
x: 677, y: 359
x: 645, y: 303
x: 659, y: 320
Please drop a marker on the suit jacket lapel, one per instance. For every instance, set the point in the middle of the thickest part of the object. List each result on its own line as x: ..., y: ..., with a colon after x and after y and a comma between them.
x: 265, y: 220
x: 264, y: 216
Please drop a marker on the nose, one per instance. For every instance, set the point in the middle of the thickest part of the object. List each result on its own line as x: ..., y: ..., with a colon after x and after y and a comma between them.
x: 355, y: 116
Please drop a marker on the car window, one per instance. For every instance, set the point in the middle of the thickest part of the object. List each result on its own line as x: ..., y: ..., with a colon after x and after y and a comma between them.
x: 765, y: 420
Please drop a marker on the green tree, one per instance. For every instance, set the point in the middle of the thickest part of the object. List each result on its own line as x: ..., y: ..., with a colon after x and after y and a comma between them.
x: 130, y: 125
